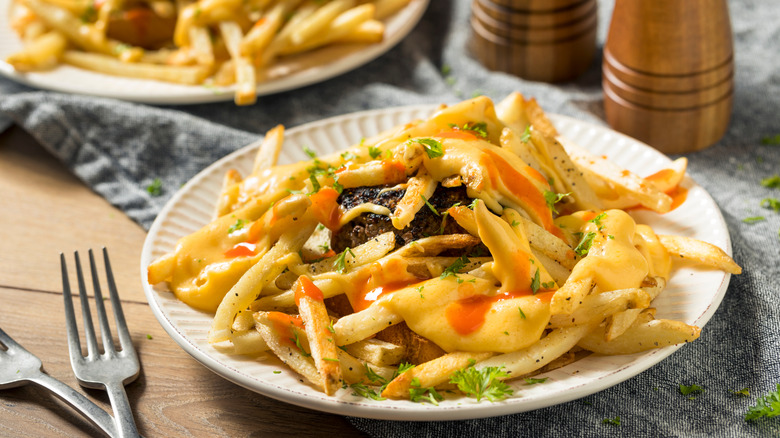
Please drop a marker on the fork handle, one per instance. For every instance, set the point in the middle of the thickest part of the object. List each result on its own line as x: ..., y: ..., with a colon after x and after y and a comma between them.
x: 77, y: 401
x: 123, y: 414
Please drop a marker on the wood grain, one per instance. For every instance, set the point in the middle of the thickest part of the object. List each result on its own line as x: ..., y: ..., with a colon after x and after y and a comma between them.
x: 45, y: 210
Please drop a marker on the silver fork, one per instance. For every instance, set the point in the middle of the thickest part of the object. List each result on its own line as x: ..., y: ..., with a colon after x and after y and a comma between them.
x: 113, y: 369
x: 18, y: 367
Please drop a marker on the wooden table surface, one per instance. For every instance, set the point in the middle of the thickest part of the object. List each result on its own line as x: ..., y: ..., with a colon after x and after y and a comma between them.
x: 45, y: 210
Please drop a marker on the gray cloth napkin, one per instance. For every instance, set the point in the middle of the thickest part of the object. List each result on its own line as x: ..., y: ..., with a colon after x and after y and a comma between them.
x: 119, y: 148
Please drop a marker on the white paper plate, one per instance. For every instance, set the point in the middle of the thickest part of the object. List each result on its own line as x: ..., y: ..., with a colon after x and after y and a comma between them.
x: 330, y: 62
x: 691, y: 296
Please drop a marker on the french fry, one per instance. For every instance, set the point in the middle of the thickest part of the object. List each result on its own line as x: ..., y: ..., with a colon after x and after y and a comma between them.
x: 318, y: 328
x: 289, y: 346
x: 319, y: 20
x: 432, y: 373
x: 386, y: 8
x: 360, y: 325
x: 570, y: 295
x: 530, y: 359
x: 377, y: 352
x: 356, y: 370
x: 367, y: 32
x: 641, y: 337
x: 228, y: 194
x: 419, y: 188
x: 245, y: 71
x: 251, y: 283
x: 189, y: 75
x: 341, y: 26
x: 703, y: 253
x: 243, y: 342
x: 40, y: 54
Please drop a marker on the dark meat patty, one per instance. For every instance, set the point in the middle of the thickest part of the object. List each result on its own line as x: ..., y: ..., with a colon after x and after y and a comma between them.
x: 369, y: 225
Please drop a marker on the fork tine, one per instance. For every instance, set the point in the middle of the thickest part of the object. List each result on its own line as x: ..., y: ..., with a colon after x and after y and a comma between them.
x: 89, y: 330
x: 74, y: 343
x: 105, y: 330
x: 116, y: 305
x: 7, y: 341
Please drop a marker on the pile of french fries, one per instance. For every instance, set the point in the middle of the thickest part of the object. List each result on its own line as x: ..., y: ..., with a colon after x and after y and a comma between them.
x: 209, y: 42
x: 568, y: 272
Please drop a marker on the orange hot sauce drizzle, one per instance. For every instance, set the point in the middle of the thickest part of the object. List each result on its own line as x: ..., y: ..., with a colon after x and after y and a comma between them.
x: 522, y: 188
x: 283, y: 325
x: 325, y: 207
x: 304, y: 287
x: 457, y: 134
x: 243, y: 249
x: 391, y: 277
x: 467, y: 315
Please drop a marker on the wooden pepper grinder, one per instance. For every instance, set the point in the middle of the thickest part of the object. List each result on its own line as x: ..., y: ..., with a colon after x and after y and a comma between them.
x: 668, y: 72
x: 540, y: 40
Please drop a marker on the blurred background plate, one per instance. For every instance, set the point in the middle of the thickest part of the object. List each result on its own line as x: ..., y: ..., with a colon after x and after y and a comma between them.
x: 293, y: 72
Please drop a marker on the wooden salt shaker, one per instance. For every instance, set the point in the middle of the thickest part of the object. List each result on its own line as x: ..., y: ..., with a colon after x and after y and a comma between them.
x: 668, y: 72
x: 540, y: 40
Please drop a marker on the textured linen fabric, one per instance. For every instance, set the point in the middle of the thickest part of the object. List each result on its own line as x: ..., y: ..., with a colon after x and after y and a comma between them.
x: 119, y: 148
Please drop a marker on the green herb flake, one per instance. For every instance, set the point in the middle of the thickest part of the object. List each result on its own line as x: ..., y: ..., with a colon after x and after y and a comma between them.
x: 479, y: 129
x: 362, y: 390
x: 155, y: 188
x: 456, y: 266
x: 309, y: 151
x: 584, y: 246
x: 236, y: 226
x: 297, y: 341
x: 535, y: 283
x: 330, y: 359
x: 148, y: 336
x: 743, y: 392
x: 419, y: 394
x: 522, y: 314
x: 766, y: 406
x: 374, y: 152
x: 771, y: 140
x: 433, y: 147
x: 430, y: 206
x: 526, y: 134
x: 484, y: 383
x: 552, y: 198
x: 277, y: 372
x: 771, y: 203
x: 690, y: 390
x: 611, y: 421
x: 532, y: 381
x: 773, y: 182
x: 753, y: 219
x: 341, y: 260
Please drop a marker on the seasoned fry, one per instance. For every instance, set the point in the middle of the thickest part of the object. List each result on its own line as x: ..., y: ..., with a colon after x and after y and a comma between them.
x: 641, y: 337
x: 703, y: 253
x: 432, y: 373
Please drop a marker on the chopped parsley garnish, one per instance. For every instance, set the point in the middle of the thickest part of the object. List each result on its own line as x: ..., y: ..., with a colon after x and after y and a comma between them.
x: 420, y: 291
x: 473, y: 204
x: 526, y: 134
x: 584, y: 246
x: 753, y: 219
x: 315, y: 185
x: 772, y: 203
x: 743, y: 392
x: 341, y: 260
x: 347, y: 156
x: 522, y: 314
x: 374, y: 152
x: 309, y: 152
x: 404, y: 367
x: 90, y: 14
x: 155, y: 188
x: 456, y: 266
x: 364, y: 391
x: 514, y: 224
x: 613, y: 421
x: 478, y: 129
x: 773, y: 182
x: 324, y: 247
x: 766, y: 406
x: 433, y: 147
x: 277, y: 372
x: 535, y: 283
x: 430, y: 206
x: 297, y: 341
x: 236, y: 226
x: 330, y: 359
x: 484, y: 383
x: 773, y: 140
x: 148, y: 336
x: 691, y: 389
x: 532, y: 381
x: 597, y: 220
x: 553, y: 198
x: 419, y: 394
x: 330, y: 327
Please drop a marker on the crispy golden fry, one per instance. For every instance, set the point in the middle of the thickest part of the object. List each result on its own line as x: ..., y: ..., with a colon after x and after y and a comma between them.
x: 570, y: 296
x: 377, y: 352
x: 270, y: 147
x: 641, y: 337
x: 228, y: 194
x: 432, y: 373
x: 318, y: 328
x: 189, y: 75
x: 44, y: 52
x: 596, y: 307
x: 703, y: 253
x: 361, y: 325
x: 288, y: 347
